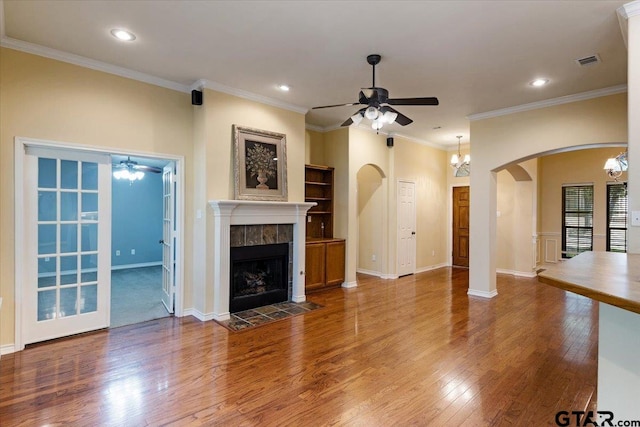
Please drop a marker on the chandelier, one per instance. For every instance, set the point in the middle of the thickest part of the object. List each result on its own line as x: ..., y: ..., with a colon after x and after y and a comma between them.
x: 614, y: 166
x: 459, y: 162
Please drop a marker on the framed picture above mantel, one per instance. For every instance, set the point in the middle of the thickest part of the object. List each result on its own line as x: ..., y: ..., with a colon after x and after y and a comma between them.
x: 260, y: 168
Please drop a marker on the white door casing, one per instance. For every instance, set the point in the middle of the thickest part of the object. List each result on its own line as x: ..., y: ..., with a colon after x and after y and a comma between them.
x: 406, y: 227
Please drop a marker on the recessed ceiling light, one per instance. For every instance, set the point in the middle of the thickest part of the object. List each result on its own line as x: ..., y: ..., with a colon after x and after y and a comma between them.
x: 284, y: 88
x: 539, y: 82
x: 124, y: 35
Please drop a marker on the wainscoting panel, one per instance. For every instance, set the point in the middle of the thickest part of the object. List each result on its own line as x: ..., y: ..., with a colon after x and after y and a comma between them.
x: 551, y: 250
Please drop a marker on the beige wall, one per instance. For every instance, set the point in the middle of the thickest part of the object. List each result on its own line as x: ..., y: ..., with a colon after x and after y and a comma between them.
x: 51, y: 100
x: 574, y: 167
x: 504, y: 140
x: 314, y: 147
x: 371, y: 207
x: 428, y: 168
x: 365, y: 148
x: 516, y: 219
x: 215, y: 144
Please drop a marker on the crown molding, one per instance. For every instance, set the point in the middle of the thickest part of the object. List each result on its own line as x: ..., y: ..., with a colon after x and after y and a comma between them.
x: 550, y: 102
x: 367, y: 128
x: 422, y: 141
x: 208, y: 84
x: 314, y: 127
x: 81, y: 61
x: 629, y: 10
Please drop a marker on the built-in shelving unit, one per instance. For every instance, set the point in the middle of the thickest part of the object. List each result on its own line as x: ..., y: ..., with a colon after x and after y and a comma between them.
x: 319, y: 189
x: 325, y: 255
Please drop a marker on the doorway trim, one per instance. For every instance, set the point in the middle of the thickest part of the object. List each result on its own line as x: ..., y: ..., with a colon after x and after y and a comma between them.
x: 20, y: 143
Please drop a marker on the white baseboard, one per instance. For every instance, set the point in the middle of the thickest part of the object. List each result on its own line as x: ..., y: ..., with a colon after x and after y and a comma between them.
x: 369, y: 272
x: 198, y: 314
x: 142, y: 264
x: 389, y: 276
x: 302, y: 298
x: 353, y: 284
x: 432, y: 267
x: 526, y: 274
x: 482, y: 294
x: 7, y: 349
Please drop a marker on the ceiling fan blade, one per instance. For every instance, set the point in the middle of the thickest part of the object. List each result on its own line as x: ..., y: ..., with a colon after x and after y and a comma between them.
x: 403, y: 120
x: 146, y: 168
x: 364, y: 99
x: 413, y: 101
x: 349, y: 121
x: 337, y: 105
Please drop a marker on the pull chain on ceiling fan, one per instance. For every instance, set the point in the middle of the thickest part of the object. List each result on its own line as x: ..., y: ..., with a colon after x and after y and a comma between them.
x: 378, y: 104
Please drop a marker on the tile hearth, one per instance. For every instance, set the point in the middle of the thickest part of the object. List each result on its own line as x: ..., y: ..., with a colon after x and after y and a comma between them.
x: 267, y: 314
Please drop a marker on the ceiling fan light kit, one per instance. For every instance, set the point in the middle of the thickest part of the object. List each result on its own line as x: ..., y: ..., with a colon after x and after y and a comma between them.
x: 132, y: 171
x: 378, y: 104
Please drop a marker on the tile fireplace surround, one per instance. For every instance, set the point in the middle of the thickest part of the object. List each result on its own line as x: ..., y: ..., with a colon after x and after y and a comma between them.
x: 243, y: 212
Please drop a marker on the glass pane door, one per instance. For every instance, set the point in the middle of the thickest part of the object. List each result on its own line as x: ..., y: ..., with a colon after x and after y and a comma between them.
x: 70, y: 292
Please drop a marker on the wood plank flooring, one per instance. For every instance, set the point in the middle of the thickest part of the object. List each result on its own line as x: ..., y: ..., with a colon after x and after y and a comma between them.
x: 412, y: 351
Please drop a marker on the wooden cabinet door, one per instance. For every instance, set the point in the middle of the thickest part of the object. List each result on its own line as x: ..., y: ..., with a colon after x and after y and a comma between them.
x: 314, y: 266
x: 335, y: 263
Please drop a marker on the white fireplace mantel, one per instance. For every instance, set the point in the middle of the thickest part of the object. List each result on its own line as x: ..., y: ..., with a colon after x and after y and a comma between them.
x: 245, y: 212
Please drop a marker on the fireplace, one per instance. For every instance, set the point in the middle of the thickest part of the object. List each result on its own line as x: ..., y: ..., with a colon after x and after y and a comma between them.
x: 231, y: 218
x: 259, y: 276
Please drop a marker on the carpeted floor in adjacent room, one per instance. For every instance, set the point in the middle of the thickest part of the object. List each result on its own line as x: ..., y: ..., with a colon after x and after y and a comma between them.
x: 136, y: 295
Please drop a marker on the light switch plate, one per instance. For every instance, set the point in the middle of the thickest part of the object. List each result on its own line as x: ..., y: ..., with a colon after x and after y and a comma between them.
x: 635, y: 218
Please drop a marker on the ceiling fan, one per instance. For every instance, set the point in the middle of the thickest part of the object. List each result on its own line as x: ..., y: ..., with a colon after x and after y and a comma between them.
x: 378, y: 104
x: 131, y: 170
x: 131, y: 166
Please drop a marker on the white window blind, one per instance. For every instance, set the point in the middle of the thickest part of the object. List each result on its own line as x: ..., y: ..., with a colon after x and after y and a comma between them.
x: 577, y: 223
x: 617, y: 209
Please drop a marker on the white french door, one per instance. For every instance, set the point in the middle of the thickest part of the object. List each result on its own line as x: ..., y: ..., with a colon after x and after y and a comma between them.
x: 406, y: 228
x: 67, y: 226
x: 168, y: 242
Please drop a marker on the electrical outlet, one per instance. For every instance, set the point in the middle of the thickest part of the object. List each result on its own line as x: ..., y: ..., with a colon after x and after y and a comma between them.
x: 308, y: 218
x: 373, y: 257
x: 635, y: 218
x: 433, y: 253
x: 133, y: 251
x: 117, y: 253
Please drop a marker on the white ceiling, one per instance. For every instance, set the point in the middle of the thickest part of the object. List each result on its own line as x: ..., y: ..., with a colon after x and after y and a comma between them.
x: 475, y: 56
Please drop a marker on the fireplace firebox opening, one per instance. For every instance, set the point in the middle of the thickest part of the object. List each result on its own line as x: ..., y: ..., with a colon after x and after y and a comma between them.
x: 259, y: 276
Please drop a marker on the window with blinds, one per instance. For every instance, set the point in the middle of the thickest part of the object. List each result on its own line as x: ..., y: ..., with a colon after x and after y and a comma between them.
x: 577, y: 219
x: 617, y: 217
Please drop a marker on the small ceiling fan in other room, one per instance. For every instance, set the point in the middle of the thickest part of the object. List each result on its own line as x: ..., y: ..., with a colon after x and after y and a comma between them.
x: 131, y: 170
x: 378, y: 104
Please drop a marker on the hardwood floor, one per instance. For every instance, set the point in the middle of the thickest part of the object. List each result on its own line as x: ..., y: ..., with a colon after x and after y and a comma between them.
x: 412, y: 351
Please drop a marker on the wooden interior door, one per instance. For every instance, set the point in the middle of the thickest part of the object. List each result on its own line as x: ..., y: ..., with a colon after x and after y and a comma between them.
x: 461, y: 226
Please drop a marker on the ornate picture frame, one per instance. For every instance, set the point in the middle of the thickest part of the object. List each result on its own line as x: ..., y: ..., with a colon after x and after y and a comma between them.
x: 260, y: 168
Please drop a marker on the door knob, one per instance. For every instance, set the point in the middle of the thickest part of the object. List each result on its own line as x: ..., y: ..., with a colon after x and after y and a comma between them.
x: 161, y: 242
x: 413, y: 233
